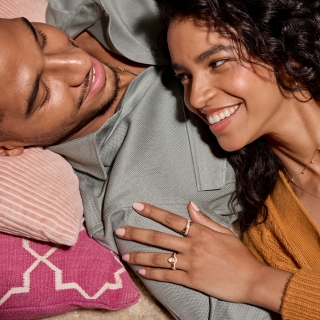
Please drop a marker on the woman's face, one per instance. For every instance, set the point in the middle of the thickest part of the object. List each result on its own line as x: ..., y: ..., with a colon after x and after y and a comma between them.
x: 239, y: 101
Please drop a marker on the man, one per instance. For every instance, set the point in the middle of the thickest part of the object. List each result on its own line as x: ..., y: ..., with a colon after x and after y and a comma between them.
x: 121, y: 124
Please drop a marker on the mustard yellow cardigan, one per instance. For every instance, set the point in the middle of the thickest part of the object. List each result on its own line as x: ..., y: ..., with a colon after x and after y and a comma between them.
x: 290, y: 240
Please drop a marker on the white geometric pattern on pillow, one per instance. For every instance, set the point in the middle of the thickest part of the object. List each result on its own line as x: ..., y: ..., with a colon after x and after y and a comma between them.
x: 42, y: 279
x: 59, y: 284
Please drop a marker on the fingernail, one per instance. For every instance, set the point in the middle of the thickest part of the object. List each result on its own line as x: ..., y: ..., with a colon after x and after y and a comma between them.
x: 126, y: 257
x: 138, y: 206
x: 120, y: 232
x: 142, y: 272
x: 194, y: 206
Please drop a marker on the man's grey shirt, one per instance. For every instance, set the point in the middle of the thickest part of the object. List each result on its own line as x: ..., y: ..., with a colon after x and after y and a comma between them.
x: 152, y: 150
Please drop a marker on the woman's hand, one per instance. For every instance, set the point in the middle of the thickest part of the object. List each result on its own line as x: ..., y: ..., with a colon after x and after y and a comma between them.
x: 210, y: 259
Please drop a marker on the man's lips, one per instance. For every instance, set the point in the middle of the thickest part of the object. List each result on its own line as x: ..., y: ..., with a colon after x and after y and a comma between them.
x: 97, y: 78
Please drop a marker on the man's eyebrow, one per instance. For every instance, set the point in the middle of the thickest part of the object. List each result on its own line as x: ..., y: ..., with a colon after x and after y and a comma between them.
x: 35, y: 87
x: 30, y: 27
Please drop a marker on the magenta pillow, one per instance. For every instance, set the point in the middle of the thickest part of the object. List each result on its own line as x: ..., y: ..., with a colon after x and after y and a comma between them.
x: 40, y: 280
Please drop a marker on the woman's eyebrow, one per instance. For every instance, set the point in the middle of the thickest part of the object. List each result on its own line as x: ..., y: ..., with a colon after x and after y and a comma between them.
x: 211, y: 51
x: 206, y: 54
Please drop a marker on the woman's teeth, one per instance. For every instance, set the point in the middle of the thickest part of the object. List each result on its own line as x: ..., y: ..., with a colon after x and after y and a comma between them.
x: 225, y: 113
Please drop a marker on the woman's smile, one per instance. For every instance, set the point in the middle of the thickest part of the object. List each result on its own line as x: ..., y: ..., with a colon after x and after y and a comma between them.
x: 239, y: 100
x: 220, y: 115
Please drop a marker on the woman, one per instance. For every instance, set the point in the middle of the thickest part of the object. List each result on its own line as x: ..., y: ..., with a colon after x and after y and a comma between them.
x: 250, y: 70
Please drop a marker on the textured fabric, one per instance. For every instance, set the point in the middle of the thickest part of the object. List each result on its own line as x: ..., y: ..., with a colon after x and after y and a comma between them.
x: 39, y: 197
x: 34, y: 11
x: 301, y: 300
x: 122, y: 33
x: 151, y: 150
x: 290, y: 240
x: 39, y: 280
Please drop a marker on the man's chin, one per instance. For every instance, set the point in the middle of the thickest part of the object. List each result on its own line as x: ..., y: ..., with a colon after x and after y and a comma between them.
x: 87, y: 125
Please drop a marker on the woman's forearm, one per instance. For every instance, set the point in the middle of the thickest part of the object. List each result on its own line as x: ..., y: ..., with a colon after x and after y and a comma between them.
x: 268, y: 287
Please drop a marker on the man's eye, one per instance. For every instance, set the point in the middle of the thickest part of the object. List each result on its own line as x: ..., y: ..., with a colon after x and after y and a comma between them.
x: 72, y: 42
x: 43, y: 39
x: 46, y: 98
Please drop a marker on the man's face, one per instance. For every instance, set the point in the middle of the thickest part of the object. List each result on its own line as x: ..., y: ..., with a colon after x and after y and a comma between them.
x: 51, y: 89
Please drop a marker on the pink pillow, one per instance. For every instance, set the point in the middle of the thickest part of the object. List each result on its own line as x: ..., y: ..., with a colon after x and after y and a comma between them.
x: 34, y: 10
x: 40, y: 197
x: 40, y: 280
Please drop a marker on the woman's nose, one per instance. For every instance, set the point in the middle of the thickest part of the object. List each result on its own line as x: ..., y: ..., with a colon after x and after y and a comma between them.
x: 71, y: 66
x: 201, y: 91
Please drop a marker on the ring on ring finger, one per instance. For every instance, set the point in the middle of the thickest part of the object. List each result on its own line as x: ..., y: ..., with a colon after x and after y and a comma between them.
x: 173, y: 260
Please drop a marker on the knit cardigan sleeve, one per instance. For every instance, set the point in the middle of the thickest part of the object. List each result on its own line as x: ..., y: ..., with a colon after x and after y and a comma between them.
x: 289, y: 240
x: 302, y: 296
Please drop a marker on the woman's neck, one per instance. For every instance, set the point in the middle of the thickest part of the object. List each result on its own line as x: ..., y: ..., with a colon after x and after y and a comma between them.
x: 296, y: 145
x: 295, y: 140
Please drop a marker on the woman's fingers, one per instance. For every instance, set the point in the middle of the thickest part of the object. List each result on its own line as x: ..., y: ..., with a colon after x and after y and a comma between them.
x: 167, y: 218
x: 173, y: 276
x: 157, y: 266
x: 157, y: 260
x: 197, y: 216
x: 178, y: 223
x: 151, y: 237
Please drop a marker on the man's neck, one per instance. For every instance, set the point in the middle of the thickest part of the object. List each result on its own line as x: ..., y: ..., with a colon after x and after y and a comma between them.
x: 89, y: 44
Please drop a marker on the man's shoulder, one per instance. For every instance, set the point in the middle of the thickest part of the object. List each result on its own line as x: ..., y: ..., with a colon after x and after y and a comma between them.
x: 132, y: 28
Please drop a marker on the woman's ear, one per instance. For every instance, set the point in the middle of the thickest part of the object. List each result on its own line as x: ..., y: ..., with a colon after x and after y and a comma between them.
x: 11, y: 151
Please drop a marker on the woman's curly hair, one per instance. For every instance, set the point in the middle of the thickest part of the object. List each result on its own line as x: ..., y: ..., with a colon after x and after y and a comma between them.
x: 283, y: 34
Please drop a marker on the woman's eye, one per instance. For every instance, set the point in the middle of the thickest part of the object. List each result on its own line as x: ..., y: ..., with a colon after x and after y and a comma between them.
x: 217, y: 63
x: 181, y: 76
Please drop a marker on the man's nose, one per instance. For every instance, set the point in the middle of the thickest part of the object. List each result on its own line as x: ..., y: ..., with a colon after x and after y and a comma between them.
x: 70, y: 66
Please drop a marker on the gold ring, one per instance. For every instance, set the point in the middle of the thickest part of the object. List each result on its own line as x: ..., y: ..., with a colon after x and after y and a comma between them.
x: 173, y: 260
x: 185, y: 231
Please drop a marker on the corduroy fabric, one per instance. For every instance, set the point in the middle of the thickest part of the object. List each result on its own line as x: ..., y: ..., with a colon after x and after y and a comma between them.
x: 40, y: 197
x: 34, y: 10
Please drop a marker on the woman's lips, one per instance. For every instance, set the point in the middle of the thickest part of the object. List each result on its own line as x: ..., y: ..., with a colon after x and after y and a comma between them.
x: 98, y: 78
x: 221, y: 115
x: 218, y: 122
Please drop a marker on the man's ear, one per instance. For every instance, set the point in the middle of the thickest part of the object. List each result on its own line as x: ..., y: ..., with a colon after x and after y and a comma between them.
x: 11, y: 151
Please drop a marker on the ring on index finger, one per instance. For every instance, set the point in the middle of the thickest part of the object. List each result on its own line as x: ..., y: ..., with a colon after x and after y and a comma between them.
x: 185, y: 231
x: 173, y: 260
